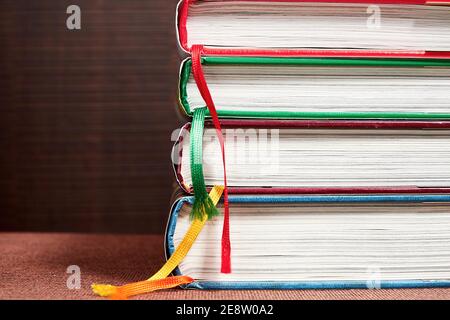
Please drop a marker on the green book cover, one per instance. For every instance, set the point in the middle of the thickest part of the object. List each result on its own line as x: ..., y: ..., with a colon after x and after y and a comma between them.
x: 276, y: 113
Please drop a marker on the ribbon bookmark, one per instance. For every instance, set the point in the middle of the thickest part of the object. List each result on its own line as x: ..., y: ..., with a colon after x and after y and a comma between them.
x: 197, y: 71
x: 160, y: 280
x: 202, y: 203
x: 132, y: 289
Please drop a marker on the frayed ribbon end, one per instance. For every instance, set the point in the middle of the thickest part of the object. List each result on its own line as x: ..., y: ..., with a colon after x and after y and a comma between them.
x: 105, y: 290
x: 203, y: 207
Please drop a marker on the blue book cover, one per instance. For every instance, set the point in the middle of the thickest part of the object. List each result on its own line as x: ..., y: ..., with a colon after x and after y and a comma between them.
x: 308, y: 199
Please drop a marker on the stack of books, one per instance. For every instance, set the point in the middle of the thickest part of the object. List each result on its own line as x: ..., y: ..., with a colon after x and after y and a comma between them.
x: 336, y: 126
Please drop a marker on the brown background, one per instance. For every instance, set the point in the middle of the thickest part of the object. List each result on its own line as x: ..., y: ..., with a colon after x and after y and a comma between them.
x: 86, y: 116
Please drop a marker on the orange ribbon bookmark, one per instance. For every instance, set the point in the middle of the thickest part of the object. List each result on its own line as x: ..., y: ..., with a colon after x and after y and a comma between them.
x: 132, y: 289
x: 161, y: 279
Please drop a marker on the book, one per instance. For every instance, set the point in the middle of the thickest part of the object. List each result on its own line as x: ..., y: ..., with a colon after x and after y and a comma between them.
x: 318, y: 242
x: 319, y: 156
x: 383, y: 28
x: 280, y: 87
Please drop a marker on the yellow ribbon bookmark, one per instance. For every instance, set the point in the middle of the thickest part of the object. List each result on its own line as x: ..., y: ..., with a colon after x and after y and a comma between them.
x: 161, y: 279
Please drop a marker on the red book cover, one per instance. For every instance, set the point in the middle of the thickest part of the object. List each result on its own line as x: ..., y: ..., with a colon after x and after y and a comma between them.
x: 182, y: 34
x: 177, y: 153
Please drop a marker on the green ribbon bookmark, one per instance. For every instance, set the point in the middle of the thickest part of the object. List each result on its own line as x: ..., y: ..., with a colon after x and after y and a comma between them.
x: 202, y: 203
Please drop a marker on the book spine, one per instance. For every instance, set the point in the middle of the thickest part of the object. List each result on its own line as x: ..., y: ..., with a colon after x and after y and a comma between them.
x: 177, y: 156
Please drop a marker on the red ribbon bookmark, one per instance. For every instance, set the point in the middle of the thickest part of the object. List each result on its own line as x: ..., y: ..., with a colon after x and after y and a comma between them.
x: 197, y: 71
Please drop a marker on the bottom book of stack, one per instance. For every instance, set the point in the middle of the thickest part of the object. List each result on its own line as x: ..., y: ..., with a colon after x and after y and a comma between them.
x: 320, y: 241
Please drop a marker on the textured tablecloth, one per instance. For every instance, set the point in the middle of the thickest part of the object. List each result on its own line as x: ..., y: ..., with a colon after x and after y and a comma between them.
x: 34, y: 266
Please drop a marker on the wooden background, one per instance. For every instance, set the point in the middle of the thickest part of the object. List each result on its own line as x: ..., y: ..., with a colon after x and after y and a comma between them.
x: 86, y: 116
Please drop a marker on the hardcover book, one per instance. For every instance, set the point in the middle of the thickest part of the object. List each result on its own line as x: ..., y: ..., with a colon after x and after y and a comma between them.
x: 317, y: 242
x: 319, y: 156
x: 271, y: 87
x: 375, y: 28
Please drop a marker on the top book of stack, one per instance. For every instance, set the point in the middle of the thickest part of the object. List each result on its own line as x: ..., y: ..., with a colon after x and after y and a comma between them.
x: 352, y: 28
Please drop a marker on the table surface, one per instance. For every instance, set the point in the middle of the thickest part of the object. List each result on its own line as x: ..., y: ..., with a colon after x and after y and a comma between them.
x: 34, y: 266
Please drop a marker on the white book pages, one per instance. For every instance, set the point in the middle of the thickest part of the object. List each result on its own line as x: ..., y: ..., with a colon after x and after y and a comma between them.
x: 325, y: 158
x: 320, y: 242
x: 253, y: 24
x: 304, y: 88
